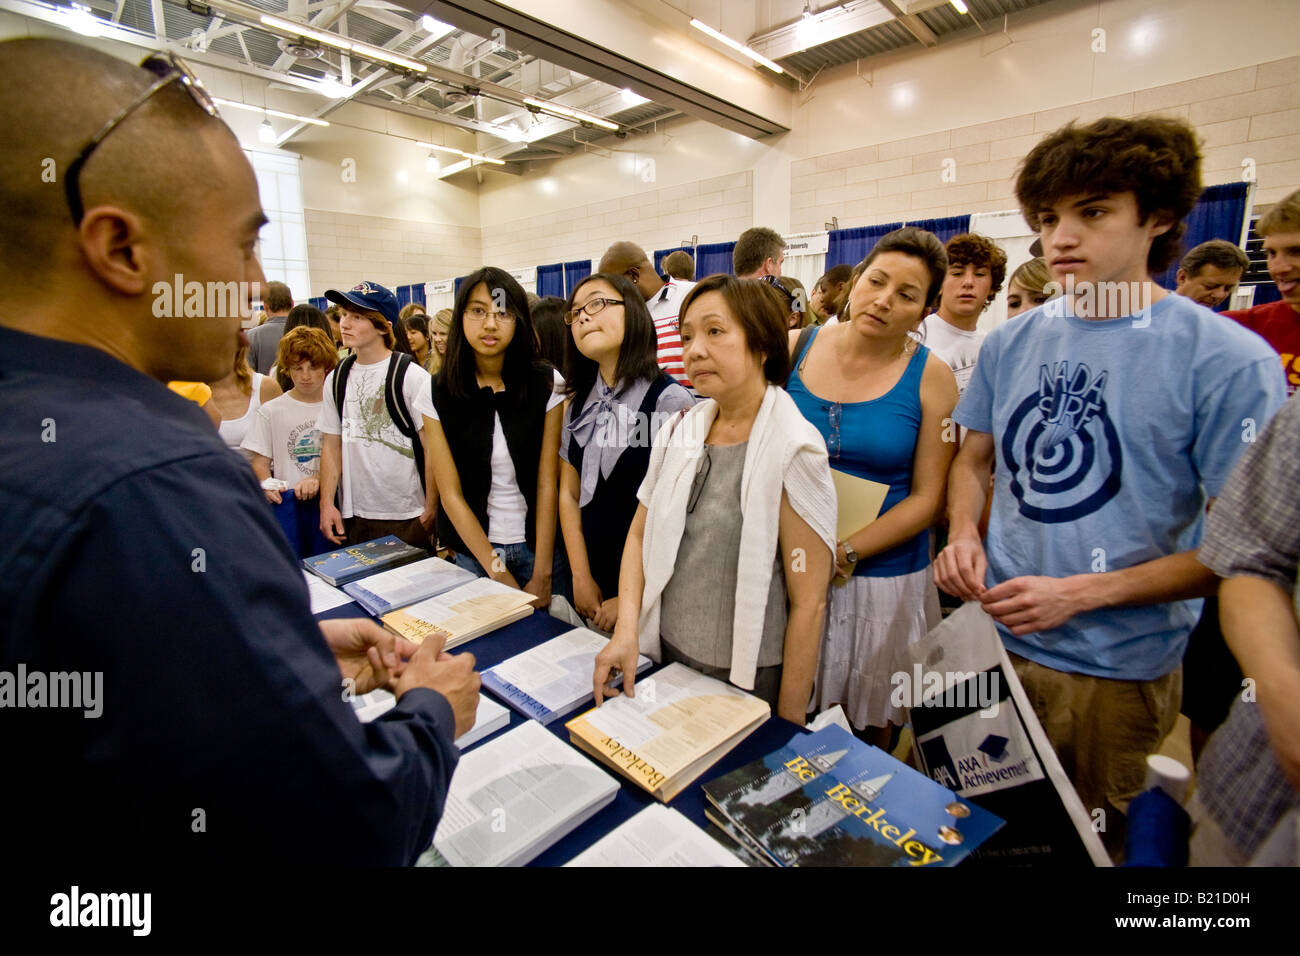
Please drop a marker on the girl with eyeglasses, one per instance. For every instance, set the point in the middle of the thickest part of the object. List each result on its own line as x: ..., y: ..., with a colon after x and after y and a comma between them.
x: 883, y: 403
x: 619, y: 397
x: 730, y: 551
x: 495, y: 448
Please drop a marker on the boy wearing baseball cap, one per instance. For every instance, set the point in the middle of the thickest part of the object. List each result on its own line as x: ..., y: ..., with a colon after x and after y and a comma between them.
x: 377, y: 404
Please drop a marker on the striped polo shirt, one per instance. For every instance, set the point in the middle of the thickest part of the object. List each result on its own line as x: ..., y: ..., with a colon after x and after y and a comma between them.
x: 665, y: 306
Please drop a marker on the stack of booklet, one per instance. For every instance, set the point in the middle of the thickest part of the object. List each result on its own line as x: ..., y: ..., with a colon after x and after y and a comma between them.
x: 488, y: 719
x: 827, y: 799
x: 390, y: 590
x: 548, y: 681
x: 678, y: 725
x: 346, y: 564
x: 515, y: 797
x: 657, y: 836
x: 461, y: 614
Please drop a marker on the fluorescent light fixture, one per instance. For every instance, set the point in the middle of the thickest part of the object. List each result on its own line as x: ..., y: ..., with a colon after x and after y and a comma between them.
x: 80, y: 19
x: 633, y: 99
x: 480, y: 158
x: 340, y: 43
x: 266, y: 132
x: 378, y: 53
x: 959, y: 5
x: 435, y: 28
x: 280, y: 113
x: 302, y: 30
x: 567, y: 113
x: 444, y: 149
x: 738, y: 47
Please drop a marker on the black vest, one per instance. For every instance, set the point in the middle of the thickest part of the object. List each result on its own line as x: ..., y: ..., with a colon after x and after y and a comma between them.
x: 469, y: 426
x: 608, y: 516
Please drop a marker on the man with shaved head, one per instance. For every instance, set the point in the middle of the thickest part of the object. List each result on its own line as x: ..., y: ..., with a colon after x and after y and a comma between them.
x: 165, y: 693
x: 662, y: 296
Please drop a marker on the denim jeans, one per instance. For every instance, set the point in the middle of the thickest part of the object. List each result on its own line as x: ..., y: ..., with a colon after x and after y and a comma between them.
x: 518, y: 559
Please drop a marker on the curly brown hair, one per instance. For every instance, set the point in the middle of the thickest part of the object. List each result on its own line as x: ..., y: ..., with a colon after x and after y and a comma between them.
x: 970, y: 248
x: 1156, y: 158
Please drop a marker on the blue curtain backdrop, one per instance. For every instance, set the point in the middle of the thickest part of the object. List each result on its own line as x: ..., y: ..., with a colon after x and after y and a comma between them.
x: 406, y: 294
x: 945, y: 228
x: 455, y: 288
x: 320, y: 302
x: 575, y: 272
x: 1219, y: 214
x: 661, y: 254
x: 712, y: 258
x: 550, y: 280
x: 850, y: 246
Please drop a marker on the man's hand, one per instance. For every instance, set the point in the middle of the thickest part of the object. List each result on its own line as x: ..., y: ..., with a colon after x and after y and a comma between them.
x: 307, y: 488
x: 368, y: 655
x: 586, y: 596
x: 451, y: 675
x: 331, y: 522
x: 1034, y: 603
x: 959, y: 568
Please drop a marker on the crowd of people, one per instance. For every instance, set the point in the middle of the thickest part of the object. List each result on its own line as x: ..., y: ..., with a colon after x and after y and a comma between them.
x: 653, y: 456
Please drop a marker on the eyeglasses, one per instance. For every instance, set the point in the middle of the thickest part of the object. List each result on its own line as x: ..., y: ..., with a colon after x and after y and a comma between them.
x: 478, y: 314
x: 775, y: 284
x: 592, y: 307
x: 701, y: 476
x: 169, y: 68
x: 834, y: 414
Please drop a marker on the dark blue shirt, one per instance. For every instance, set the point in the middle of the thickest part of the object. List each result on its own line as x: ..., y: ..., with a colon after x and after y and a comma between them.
x: 135, y: 544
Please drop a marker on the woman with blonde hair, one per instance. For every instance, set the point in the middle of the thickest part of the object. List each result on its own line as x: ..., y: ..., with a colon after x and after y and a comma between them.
x: 439, y: 327
x: 1030, y: 286
x: 239, y: 395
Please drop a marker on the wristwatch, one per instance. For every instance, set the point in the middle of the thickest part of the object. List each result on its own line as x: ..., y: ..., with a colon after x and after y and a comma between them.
x: 849, y: 553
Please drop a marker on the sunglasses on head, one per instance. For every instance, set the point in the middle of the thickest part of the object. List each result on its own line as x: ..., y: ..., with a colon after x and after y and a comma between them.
x: 169, y: 68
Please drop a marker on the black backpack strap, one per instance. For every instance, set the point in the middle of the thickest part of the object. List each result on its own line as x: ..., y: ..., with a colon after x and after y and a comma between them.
x: 800, y: 344
x: 341, y: 382
x: 395, y: 401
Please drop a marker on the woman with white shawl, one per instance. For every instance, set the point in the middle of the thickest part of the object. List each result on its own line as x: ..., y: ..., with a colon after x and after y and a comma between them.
x: 729, y: 556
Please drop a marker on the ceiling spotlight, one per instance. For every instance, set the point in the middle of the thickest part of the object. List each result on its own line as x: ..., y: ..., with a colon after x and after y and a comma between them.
x: 266, y: 132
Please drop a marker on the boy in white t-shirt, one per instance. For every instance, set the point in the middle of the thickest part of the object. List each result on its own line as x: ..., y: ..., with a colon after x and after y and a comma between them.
x: 976, y: 268
x: 386, y: 488
x: 283, y: 437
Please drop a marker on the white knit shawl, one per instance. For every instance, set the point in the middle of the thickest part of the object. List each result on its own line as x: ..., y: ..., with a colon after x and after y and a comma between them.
x: 785, y: 452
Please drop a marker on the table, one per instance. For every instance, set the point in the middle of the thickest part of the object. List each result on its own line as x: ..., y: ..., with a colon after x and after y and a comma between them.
x: 491, y: 649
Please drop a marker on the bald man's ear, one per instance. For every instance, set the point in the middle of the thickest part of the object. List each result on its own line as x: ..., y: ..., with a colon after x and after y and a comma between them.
x: 117, y: 247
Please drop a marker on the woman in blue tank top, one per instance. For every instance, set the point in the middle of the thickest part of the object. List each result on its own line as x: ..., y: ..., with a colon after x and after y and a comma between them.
x: 884, y: 405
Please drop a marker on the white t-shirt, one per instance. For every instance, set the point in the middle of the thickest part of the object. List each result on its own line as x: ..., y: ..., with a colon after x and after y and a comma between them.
x: 284, y: 430
x: 380, y: 474
x: 959, y: 348
x: 507, y: 510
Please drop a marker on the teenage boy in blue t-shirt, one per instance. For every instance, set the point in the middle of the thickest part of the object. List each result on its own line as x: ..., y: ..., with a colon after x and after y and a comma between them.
x: 1111, y: 415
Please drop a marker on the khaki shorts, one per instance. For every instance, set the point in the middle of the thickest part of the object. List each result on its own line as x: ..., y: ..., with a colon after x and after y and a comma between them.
x: 1103, y: 730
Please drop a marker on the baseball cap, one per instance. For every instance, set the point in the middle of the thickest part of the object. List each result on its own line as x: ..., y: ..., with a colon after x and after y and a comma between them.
x: 371, y: 296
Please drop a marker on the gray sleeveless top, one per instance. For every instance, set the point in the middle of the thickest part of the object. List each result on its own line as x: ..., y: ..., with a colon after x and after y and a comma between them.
x: 699, y: 601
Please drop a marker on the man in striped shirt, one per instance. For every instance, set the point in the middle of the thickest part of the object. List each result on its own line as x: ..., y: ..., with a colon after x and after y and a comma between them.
x: 663, y: 298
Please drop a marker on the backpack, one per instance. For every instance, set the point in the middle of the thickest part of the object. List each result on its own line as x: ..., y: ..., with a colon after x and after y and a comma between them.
x: 394, y: 401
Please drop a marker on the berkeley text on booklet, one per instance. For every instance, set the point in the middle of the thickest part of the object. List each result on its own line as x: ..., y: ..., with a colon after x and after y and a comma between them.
x: 390, y: 590
x: 678, y: 725
x: 515, y: 797
x: 547, y: 681
x: 828, y: 799
x: 461, y: 614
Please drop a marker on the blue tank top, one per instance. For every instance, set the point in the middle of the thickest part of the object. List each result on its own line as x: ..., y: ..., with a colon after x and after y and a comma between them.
x: 875, y: 440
